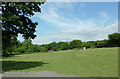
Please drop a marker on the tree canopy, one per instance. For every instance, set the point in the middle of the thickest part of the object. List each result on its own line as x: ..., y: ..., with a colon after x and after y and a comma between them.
x: 76, y: 44
x: 15, y: 20
x: 114, y: 39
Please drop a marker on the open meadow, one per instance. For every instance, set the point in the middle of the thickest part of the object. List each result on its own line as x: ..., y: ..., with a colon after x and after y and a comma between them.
x: 98, y: 62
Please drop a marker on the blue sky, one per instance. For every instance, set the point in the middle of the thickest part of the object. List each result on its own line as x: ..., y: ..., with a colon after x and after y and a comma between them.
x: 66, y: 21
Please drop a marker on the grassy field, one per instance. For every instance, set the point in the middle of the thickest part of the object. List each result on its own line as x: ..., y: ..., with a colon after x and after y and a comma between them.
x: 98, y: 62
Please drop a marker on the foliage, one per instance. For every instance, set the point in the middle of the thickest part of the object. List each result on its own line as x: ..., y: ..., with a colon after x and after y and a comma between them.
x: 21, y: 49
x: 15, y: 20
x: 52, y: 46
x: 101, y: 43
x: 63, y: 45
x: 8, y: 47
x: 89, y: 44
x: 114, y: 39
x: 25, y: 47
x: 37, y: 48
x: 75, y: 44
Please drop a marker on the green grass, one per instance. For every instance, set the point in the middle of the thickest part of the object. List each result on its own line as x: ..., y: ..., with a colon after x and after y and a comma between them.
x: 98, y: 62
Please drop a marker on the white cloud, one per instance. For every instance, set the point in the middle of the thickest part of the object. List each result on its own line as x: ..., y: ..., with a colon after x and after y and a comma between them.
x: 53, y: 15
x: 59, y: 19
x: 84, y: 34
x: 89, y: 29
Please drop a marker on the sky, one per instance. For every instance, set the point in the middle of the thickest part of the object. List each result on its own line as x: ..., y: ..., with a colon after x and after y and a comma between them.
x: 67, y: 21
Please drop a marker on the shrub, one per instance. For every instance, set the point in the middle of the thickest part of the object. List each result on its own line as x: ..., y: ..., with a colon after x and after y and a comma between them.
x: 16, y: 53
x: 29, y: 51
x: 35, y: 48
x: 39, y: 49
x: 21, y: 49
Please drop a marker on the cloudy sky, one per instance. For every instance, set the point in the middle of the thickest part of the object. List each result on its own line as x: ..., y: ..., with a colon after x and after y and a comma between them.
x: 66, y: 21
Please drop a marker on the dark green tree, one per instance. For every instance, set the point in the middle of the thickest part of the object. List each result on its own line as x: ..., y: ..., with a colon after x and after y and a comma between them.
x: 114, y: 39
x: 76, y: 44
x: 53, y: 46
x: 27, y: 43
x: 8, y: 48
x: 89, y: 44
x: 15, y: 20
x: 101, y: 43
x: 63, y: 45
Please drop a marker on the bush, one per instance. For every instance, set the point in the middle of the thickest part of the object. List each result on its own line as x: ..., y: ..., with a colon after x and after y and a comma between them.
x: 16, y: 53
x: 21, y: 49
x: 6, y: 54
x: 29, y: 51
x: 45, y: 49
x: 38, y: 49
x: 35, y: 48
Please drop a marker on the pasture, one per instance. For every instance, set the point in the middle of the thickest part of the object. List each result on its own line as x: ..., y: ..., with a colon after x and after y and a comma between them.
x: 98, y: 62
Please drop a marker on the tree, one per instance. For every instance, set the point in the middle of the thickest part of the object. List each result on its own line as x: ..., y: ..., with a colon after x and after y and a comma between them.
x: 53, y: 46
x: 89, y: 44
x: 102, y: 43
x: 15, y: 20
x: 76, y: 44
x: 27, y: 43
x: 7, y: 48
x: 63, y: 45
x: 34, y: 48
x: 114, y: 39
x: 45, y: 47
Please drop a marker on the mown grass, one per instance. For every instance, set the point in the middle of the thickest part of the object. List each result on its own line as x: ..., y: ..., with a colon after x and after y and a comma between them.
x: 98, y: 62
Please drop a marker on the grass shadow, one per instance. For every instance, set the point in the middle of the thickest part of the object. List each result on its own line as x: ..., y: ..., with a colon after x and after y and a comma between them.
x: 20, y: 65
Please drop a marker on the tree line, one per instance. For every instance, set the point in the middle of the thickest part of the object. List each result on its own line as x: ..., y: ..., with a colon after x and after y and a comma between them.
x: 27, y: 47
